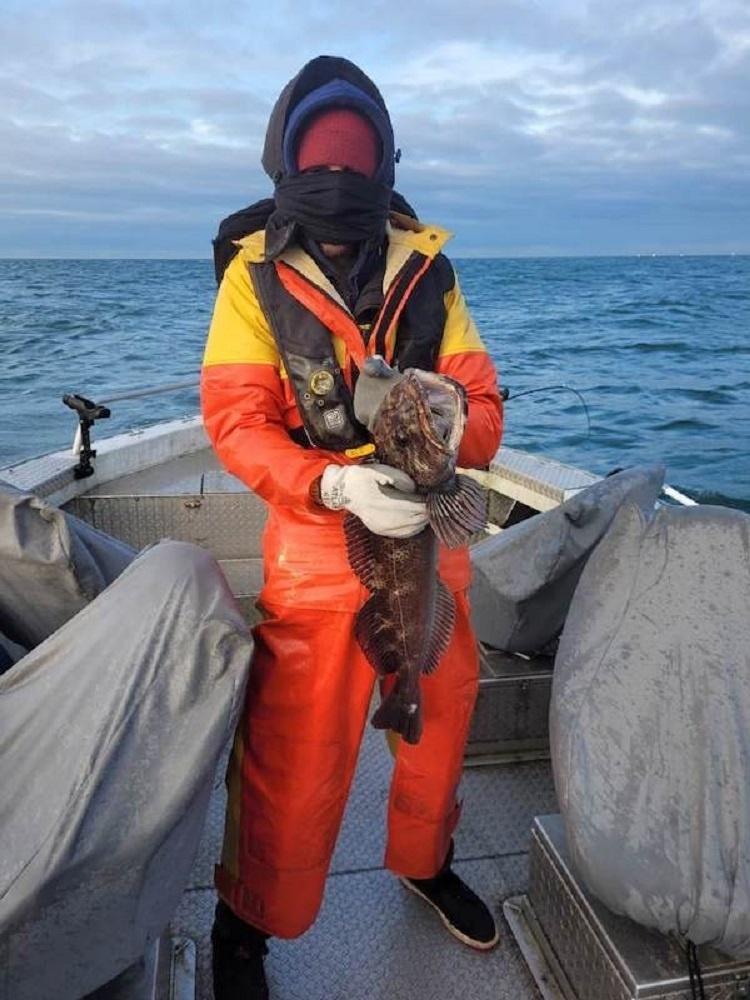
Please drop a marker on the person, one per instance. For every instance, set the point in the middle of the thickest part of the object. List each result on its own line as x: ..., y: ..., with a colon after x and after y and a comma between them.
x: 333, y: 276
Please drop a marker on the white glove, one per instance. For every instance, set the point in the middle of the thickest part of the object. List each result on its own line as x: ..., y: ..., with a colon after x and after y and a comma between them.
x: 364, y: 491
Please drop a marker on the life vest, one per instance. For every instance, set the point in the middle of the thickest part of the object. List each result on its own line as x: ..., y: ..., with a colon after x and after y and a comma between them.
x: 407, y: 331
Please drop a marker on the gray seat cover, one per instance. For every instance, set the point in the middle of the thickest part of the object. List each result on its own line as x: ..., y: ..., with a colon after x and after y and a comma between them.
x: 650, y: 723
x: 524, y: 577
x: 10, y: 653
x: 111, y: 731
x: 51, y: 565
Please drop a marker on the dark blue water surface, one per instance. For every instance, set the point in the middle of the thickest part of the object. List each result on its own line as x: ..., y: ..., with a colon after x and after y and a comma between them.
x: 659, y: 347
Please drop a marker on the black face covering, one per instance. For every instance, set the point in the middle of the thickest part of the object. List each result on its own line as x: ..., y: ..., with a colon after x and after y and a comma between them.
x: 332, y: 206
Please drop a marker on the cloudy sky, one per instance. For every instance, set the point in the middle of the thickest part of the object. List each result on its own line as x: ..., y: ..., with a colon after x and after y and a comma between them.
x: 129, y: 129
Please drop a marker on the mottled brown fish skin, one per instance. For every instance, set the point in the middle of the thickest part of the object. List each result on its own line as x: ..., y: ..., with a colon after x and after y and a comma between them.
x: 406, y: 625
x: 405, y: 437
x: 398, y: 629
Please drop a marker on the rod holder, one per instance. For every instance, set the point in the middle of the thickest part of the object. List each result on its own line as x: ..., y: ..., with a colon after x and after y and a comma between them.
x: 87, y: 412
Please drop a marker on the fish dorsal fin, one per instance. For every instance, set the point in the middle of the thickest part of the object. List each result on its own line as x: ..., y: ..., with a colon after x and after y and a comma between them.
x: 445, y: 619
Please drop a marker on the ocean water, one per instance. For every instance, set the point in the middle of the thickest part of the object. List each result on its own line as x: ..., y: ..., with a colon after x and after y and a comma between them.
x: 659, y: 348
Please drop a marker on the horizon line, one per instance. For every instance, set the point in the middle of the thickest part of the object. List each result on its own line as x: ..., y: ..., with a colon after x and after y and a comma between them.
x: 505, y: 256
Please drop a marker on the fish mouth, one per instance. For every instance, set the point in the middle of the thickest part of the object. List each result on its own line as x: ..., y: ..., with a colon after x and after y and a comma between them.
x: 448, y: 441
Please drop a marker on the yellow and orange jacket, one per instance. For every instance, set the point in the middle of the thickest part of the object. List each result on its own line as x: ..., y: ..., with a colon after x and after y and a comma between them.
x: 249, y: 408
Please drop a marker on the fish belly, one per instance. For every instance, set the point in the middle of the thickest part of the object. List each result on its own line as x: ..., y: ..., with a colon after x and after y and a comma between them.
x: 406, y: 624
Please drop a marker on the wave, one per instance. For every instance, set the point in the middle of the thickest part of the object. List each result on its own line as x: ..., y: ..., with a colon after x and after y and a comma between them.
x: 718, y: 394
x: 722, y: 500
x: 685, y: 424
x: 650, y: 346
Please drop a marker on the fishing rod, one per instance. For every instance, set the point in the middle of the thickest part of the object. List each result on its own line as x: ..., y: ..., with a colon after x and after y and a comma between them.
x: 486, y: 478
x: 505, y: 394
x: 88, y: 411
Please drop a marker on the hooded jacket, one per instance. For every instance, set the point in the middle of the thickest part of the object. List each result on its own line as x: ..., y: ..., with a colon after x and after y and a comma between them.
x: 249, y: 405
x: 323, y: 83
x: 296, y: 102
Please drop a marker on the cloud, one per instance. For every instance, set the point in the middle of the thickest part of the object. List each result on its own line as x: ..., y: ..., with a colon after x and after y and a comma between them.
x: 522, y: 124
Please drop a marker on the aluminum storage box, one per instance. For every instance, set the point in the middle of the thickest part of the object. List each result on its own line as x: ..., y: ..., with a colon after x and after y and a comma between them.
x: 578, y: 950
x: 511, y: 717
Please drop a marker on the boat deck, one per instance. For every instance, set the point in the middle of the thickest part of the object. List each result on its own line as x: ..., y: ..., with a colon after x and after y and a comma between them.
x: 374, y: 940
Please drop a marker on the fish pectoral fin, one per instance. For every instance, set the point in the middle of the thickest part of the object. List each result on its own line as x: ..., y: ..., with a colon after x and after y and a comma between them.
x: 458, y: 511
x: 442, y: 631
x: 375, y: 635
x: 360, y: 549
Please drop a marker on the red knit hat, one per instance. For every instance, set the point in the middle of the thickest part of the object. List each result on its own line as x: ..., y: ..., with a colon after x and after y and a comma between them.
x: 339, y: 138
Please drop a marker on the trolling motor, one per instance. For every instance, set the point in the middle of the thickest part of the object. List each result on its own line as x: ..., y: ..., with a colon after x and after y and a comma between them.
x: 88, y: 412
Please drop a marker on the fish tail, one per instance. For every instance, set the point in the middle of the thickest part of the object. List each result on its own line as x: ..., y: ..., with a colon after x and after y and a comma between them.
x: 403, y: 716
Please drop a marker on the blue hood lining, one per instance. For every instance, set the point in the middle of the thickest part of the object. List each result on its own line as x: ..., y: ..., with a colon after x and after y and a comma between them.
x: 337, y: 93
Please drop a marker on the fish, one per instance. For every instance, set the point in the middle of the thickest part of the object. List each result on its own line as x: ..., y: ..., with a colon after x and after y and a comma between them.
x: 405, y: 626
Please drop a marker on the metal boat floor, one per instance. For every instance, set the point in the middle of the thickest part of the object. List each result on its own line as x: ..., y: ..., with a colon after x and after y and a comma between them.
x: 373, y: 940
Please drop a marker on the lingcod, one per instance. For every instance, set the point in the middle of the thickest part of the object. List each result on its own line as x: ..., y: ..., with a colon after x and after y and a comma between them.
x: 405, y: 626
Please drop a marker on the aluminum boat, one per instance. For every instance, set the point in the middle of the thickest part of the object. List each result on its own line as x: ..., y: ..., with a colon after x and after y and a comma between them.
x: 373, y: 940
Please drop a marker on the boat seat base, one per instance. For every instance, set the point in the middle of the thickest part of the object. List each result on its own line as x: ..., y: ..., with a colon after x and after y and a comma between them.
x: 576, y: 949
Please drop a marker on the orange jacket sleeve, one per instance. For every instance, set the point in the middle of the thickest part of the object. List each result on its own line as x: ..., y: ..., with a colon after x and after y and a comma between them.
x: 245, y: 409
x: 464, y: 357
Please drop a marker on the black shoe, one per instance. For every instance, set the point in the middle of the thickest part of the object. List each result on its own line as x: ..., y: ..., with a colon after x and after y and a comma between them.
x: 460, y: 909
x: 238, y: 951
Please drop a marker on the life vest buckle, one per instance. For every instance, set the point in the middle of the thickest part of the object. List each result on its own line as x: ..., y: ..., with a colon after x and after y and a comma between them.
x: 364, y: 449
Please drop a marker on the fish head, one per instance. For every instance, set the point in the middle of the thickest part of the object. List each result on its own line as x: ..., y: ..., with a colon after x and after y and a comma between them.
x: 419, y: 426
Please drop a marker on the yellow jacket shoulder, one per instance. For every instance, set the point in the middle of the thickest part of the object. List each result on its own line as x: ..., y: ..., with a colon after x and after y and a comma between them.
x: 239, y: 332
